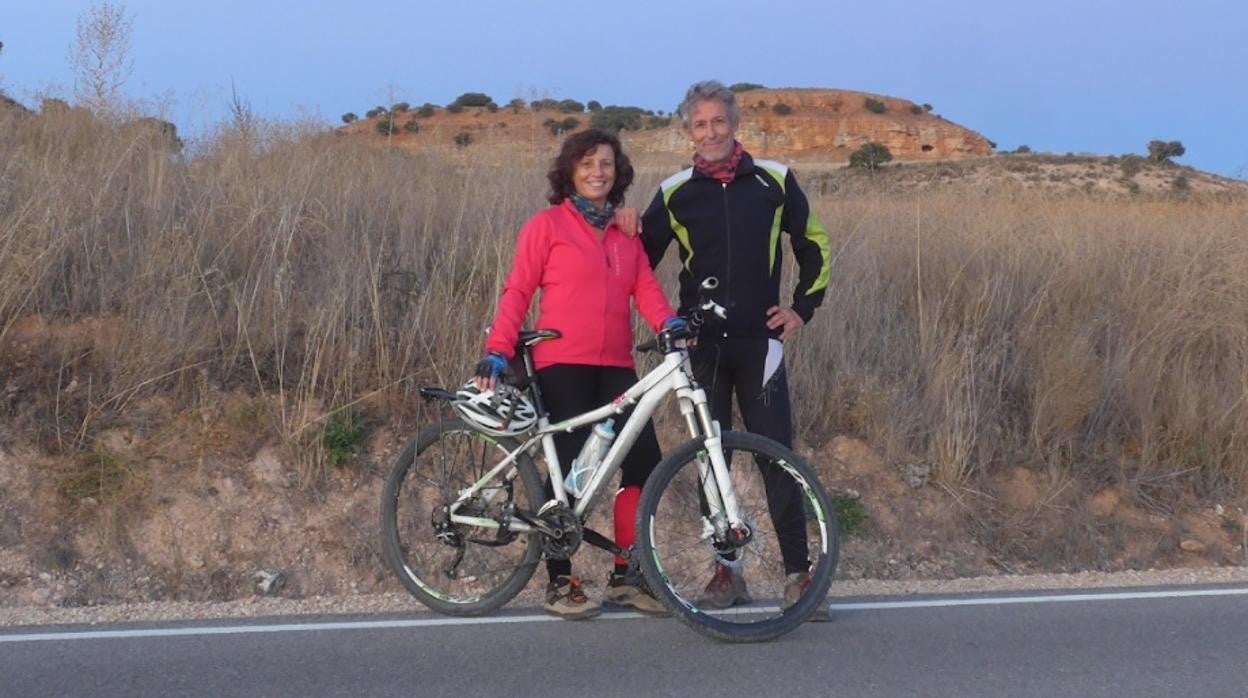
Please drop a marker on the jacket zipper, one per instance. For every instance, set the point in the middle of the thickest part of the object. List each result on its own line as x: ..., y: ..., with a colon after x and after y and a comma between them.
x: 727, y: 298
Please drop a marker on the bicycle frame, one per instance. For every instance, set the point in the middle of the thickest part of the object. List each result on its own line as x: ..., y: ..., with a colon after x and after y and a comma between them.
x: 671, y: 376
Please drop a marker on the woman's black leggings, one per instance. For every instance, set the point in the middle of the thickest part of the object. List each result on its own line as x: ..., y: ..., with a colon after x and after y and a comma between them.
x: 572, y: 389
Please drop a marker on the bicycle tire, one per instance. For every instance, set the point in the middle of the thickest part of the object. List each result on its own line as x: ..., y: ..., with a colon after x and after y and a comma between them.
x: 432, y: 469
x: 676, y: 556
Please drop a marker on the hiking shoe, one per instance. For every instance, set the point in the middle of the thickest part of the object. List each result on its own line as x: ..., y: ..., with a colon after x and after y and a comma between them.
x: 630, y: 589
x: 796, y: 585
x: 565, y: 598
x: 726, y: 589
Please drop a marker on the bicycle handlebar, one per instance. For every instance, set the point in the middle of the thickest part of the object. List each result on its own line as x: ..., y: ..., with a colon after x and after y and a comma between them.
x: 666, y: 340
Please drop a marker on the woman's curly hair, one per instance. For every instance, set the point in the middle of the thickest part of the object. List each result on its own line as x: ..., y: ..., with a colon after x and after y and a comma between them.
x: 574, y: 148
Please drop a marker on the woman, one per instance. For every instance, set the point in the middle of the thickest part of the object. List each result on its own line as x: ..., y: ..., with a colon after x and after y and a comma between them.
x: 588, y: 271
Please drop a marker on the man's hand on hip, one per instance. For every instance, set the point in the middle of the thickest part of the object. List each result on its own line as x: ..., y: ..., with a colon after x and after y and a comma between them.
x: 783, y: 317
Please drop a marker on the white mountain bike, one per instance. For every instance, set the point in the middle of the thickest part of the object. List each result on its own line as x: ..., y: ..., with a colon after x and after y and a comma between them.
x: 465, y: 520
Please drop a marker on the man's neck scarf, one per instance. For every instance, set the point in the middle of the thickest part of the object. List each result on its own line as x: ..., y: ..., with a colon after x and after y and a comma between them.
x: 725, y: 169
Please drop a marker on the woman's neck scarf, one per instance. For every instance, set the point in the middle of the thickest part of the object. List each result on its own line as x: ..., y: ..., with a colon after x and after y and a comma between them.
x: 597, y: 217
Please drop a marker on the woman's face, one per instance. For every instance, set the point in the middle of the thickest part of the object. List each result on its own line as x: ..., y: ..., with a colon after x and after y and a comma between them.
x: 594, y: 174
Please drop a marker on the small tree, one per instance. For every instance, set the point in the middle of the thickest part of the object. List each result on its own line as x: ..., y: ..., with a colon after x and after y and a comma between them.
x: 412, y: 125
x: 454, y: 107
x: 916, y: 109
x: 473, y: 99
x: 593, y: 105
x: 870, y: 156
x: 927, y: 107
x: 491, y: 107
x: 426, y: 110
x: 400, y: 107
x: 100, y: 55
x: 350, y: 118
x: 463, y: 139
x: 571, y: 106
x: 375, y: 112
x: 544, y: 104
x: 746, y: 86
x: 1161, y: 151
x: 1023, y: 149
x: 874, y: 106
x: 516, y: 105
x: 782, y: 109
x: 386, y: 126
x: 614, y: 119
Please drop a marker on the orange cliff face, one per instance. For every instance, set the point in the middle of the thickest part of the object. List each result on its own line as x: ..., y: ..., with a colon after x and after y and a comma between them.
x: 828, y: 125
x: 820, y: 125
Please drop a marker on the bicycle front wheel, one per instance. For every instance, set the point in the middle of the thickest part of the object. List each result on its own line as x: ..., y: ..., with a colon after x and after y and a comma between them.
x: 453, y: 568
x: 748, y: 590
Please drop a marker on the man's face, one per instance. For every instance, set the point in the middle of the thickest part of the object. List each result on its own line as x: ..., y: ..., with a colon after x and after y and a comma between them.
x: 711, y: 131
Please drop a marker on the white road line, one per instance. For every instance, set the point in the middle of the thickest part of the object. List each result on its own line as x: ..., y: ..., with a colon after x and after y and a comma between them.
x: 541, y: 618
x: 1048, y: 598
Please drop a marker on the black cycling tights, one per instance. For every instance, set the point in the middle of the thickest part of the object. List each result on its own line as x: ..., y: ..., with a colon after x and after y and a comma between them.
x: 727, y: 366
x: 572, y: 389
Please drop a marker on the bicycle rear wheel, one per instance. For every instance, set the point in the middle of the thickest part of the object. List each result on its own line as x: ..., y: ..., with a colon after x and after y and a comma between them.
x: 453, y: 568
x: 794, y: 534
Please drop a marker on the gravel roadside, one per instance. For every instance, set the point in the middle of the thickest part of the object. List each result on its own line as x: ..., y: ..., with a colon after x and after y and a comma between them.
x: 402, y: 603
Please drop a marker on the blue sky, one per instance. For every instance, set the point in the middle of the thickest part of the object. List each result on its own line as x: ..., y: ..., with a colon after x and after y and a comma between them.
x: 1061, y: 76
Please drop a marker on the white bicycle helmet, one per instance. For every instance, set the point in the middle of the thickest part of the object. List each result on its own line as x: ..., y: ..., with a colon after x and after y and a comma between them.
x: 504, y: 412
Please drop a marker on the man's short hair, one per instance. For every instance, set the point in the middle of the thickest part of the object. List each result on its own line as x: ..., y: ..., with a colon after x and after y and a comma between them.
x: 709, y: 90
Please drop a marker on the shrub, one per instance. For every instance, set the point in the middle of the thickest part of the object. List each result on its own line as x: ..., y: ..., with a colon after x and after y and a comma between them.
x: 463, y: 139
x: 350, y: 118
x: 375, y: 112
x: 927, y: 107
x: 473, y: 99
x: 342, y: 437
x: 874, y: 106
x: 1131, y: 165
x: 400, y: 107
x: 614, y: 119
x: 762, y: 104
x: 593, y: 105
x: 851, y: 516
x: 658, y: 121
x: 1181, y: 183
x: 545, y: 105
x: 571, y: 106
x: 916, y: 109
x: 557, y: 126
x: 870, y: 156
x: 782, y: 109
x: 386, y: 126
x: 570, y: 123
x: 516, y: 104
x: 491, y: 107
x: 412, y: 126
x: 745, y: 86
x: 1023, y: 149
x: 1162, y: 151
x: 426, y: 110
x: 454, y: 107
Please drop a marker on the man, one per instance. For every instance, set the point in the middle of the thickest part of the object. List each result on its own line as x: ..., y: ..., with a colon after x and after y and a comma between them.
x: 726, y: 213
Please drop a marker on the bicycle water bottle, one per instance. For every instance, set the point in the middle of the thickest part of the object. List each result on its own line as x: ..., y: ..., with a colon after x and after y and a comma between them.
x: 590, y: 457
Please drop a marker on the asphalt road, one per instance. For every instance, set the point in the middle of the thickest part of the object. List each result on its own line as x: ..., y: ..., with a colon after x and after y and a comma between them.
x: 1174, y: 642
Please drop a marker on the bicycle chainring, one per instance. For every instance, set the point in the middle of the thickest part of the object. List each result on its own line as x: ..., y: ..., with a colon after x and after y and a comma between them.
x: 568, y: 532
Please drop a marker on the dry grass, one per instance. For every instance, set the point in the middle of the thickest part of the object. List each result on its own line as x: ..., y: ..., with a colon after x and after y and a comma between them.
x: 1102, y: 338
